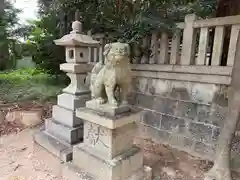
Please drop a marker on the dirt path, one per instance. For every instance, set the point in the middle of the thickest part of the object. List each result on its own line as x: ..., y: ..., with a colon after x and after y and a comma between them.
x: 171, y: 164
x: 21, y: 159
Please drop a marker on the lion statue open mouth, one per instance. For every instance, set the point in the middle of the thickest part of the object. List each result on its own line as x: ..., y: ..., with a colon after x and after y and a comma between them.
x: 114, y: 73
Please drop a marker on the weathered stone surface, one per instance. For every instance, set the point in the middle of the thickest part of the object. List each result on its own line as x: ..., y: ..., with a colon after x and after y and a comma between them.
x: 140, y: 85
x: 66, y: 129
x: 201, y: 132
x: 220, y: 99
x: 165, y: 105
x: 151, y: 118
x: 172, y: 124
x: 148, y: 132
x: 132, y: 98
x: 75, y: 68
x: 109, y: 143
x: 163, y: 135
x: 218, y: 115
x: 197, y: 78
x: 77, y: 86
x: 176, y: 140
x: 53, y: 145
x: 72, y: 102
x: 135, y: 84
x: 216, y: 133
x: 188, y: 129
x: 180, y: 93
x: 144, y: 101
x: 120, y: 167
x: 31, y: 118
x: 106, y: 108
x: 161, y: 87
x: 2, y: 117
x: 65, y: 116
x: 182, y: 90
x: 205, y: 150
x: 65, y: 133
x: 188, y: 143
x: 27, y: 118
x: 108, y: 121
x: 153, y: 133
x: 117, y: 66
x: 187, y: 109
x: 13, y: 116
x: 72, y: 172
x: 203, y: 113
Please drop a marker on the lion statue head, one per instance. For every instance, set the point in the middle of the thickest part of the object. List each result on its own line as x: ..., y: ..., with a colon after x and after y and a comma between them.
x: 116, y: 54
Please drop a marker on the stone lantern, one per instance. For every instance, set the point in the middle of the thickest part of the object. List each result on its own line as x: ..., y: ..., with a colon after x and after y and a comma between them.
x: 64, y: 129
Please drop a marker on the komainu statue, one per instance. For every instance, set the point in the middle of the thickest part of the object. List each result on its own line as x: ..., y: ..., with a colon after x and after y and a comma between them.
x: 114, y: 73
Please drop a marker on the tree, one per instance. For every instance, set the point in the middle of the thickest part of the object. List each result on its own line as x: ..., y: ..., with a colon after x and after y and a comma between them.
x: 8, y: 20
x: 126, y: 20
x: 221, y: 167
x: 227, y: 8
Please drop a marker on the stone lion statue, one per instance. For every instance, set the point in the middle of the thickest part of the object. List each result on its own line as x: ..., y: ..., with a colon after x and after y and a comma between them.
x: 114, y: 73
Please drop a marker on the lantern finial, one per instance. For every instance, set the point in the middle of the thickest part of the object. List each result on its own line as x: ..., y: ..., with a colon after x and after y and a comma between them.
x: 77, y: 25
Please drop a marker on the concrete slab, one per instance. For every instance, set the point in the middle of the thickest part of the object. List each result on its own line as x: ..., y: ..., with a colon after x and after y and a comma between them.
x: 106, y: 108
x: 107, y: 121
x: 60, y: 149
x: 72, y: 172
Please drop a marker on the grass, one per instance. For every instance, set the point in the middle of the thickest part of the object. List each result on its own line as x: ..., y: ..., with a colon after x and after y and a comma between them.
x: 28, y: 84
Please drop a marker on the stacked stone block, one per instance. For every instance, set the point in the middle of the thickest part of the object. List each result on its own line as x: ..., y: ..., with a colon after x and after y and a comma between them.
x: 64, y: 129
x: 186, y: 115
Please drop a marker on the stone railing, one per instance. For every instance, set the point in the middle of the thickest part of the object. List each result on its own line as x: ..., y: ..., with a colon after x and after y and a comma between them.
x: 183, y: 85
x: 197, y: 48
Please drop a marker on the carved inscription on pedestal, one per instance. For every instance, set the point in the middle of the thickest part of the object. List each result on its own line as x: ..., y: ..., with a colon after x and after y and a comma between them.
x: 95, y: 135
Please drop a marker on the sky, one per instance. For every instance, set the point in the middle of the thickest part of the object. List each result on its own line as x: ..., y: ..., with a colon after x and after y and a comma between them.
x: 29, y: 9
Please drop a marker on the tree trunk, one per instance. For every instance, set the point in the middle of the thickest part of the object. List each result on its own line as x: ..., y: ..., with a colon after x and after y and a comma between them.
x: 227, y: 8
x: 4, y: 55
x: 221, y: 169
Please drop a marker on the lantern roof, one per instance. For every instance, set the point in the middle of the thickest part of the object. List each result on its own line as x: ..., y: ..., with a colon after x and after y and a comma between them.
x: 75, y: 38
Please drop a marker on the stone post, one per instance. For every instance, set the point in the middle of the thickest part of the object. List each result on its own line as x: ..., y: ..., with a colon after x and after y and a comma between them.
x: 64, y: 129
x: 189, y: 41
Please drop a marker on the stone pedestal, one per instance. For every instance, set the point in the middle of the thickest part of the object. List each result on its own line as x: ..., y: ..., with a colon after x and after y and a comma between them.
x: 64, y: 129
x: 108, y: 152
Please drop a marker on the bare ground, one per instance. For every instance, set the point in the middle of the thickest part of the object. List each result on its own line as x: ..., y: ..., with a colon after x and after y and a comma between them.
x: 21, y: 159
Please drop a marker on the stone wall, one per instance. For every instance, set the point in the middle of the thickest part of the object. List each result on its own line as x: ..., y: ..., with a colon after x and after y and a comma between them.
x: 186, y: 115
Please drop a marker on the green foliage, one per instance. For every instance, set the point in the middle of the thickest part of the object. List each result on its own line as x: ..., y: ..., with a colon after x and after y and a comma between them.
x: 8, y: 19
x: 41, y: 47
x: 125, y: 20
x: 28, y: 84
x: 128, y: 20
